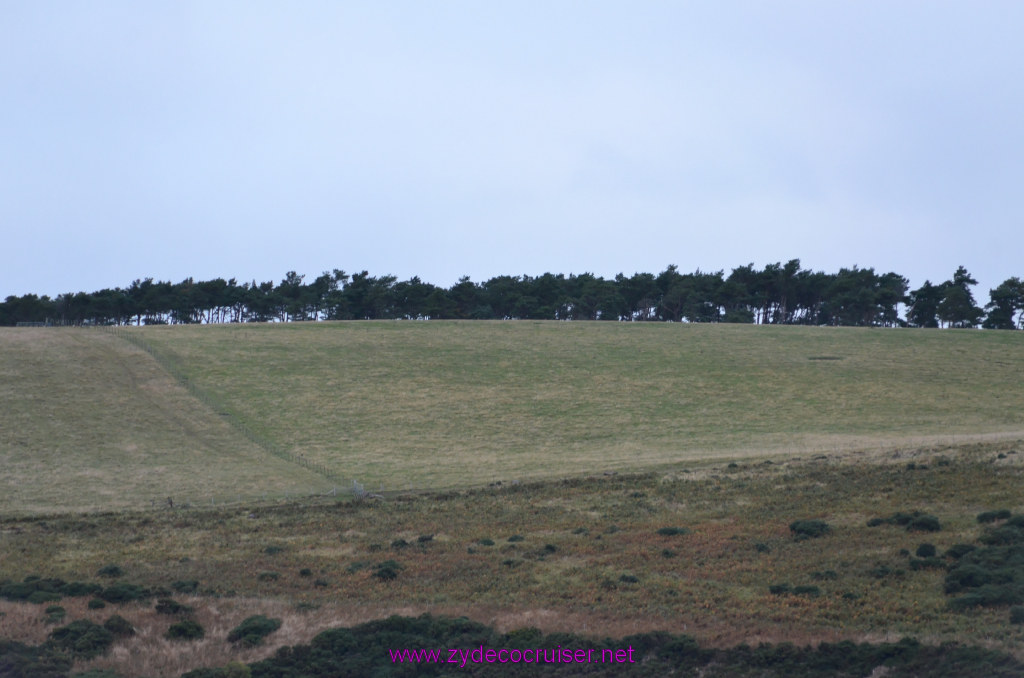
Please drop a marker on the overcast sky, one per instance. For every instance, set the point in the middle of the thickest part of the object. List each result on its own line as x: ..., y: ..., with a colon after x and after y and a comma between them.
x: 440, y: 139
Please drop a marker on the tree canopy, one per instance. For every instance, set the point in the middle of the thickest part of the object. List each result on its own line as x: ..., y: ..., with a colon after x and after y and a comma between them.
x: 780, y: 293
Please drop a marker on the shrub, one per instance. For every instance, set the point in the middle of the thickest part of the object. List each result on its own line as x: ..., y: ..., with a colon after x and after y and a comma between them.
x: 119, y: 626
x: 516, y: 537
x: 929, y: 563
x: 992, y: 516
x: 123, y: 593
x: 185, y: 586
x: 779, y: 589
x: 1017, y: 614
x: 171, y: 606
x: 82, y: 639
x: 253, y: 630
x: 672, y: 531
x: 55, y: 614
x: 958, y: 551
x: 399, y: 544
x: 96, y: 604
x: 924, y: 524
x: 305, y: 572
x: 39, y: 597
x: 809, y: 529
x: 810, y: 591
x: 273, y: 550
x: 187, y: 629
x: 268, y: 576
x: 628, y: 579
x: 387, y: 571
x: 925, y: 551
x: 761, y: 547
x: 78, y: 588
x: 424, y: 538
x: 485, y: 542
x: 110, y: 571
x: 668, y: 553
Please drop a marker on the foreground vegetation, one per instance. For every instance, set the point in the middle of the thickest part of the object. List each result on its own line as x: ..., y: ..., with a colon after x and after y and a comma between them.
x: 726, y: 554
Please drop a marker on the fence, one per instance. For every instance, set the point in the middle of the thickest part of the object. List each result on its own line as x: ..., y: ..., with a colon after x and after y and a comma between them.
x: 263, y: 442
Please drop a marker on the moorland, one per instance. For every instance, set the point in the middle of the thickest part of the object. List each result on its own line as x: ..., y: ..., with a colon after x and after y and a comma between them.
x: 736, y: 484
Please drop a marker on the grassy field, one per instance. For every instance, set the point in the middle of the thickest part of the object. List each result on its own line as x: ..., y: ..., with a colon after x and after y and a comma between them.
x: 448, y: 404
x: 88, y: 422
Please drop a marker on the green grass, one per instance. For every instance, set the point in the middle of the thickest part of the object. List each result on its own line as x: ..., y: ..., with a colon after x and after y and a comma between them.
x: 448, y: 404
x: 88, y: 422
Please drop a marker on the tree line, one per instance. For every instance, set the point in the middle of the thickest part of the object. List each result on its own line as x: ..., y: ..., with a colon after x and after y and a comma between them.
x: 780, y: 293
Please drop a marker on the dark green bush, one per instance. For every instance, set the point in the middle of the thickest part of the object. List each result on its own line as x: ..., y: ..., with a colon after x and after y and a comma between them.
x: 273, y: 550
x: 958, y: 551
x: 75, y: 589
x: 672, y: 531
x: 185, y: 586
x: 186, y: 629
x: 628, y: 579
x: 424, y: 538
x: 171, y: 606
x: 96, y: 604
x: 82, y: 639
x: 780, y: 589
x: 110, y: 571
x: 930, y: 563
x: 124, y: 593
x: 55, y: 614
x: 1017, y: 614
x: 809, y: 529
x: 810, y: 591
x: 992, y: 516
x: 925, y: 551
x: 119, y: 626
x: 516, y: 537
x: 387, y: 571
x: 39, y: 597
x: 485, y: 542
x: 399, y: 544
x: 761, y: 547
x: 305, y: 572
x: 924, y: 524
x: 268, y: 576
x: 253, y: 630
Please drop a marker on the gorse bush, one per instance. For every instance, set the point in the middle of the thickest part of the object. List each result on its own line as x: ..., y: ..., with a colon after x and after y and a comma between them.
x: 82, y: 639
x: 119, y: 626
x: 110, y: 571
x: 253, y: 630
x: 186, y: 629
x: 171, y: 606
x: 809, y: 529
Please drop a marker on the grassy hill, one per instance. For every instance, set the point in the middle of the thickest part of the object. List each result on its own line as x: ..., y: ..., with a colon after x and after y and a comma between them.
x: 89, y: 420
x: 441, y: 404
x: 673, y: 462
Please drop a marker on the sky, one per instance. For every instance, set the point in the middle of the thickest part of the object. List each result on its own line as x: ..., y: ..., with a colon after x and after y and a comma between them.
x: 445, y: 139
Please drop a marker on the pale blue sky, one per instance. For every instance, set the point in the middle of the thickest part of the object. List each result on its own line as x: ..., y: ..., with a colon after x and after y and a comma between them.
x: 440, y: 139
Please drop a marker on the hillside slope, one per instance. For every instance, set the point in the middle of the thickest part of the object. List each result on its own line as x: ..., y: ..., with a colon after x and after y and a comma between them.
x: 439, y: 404
x: 87, y: 422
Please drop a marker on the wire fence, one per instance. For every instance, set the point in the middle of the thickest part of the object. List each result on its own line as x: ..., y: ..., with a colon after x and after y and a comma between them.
x: 175, y: 369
